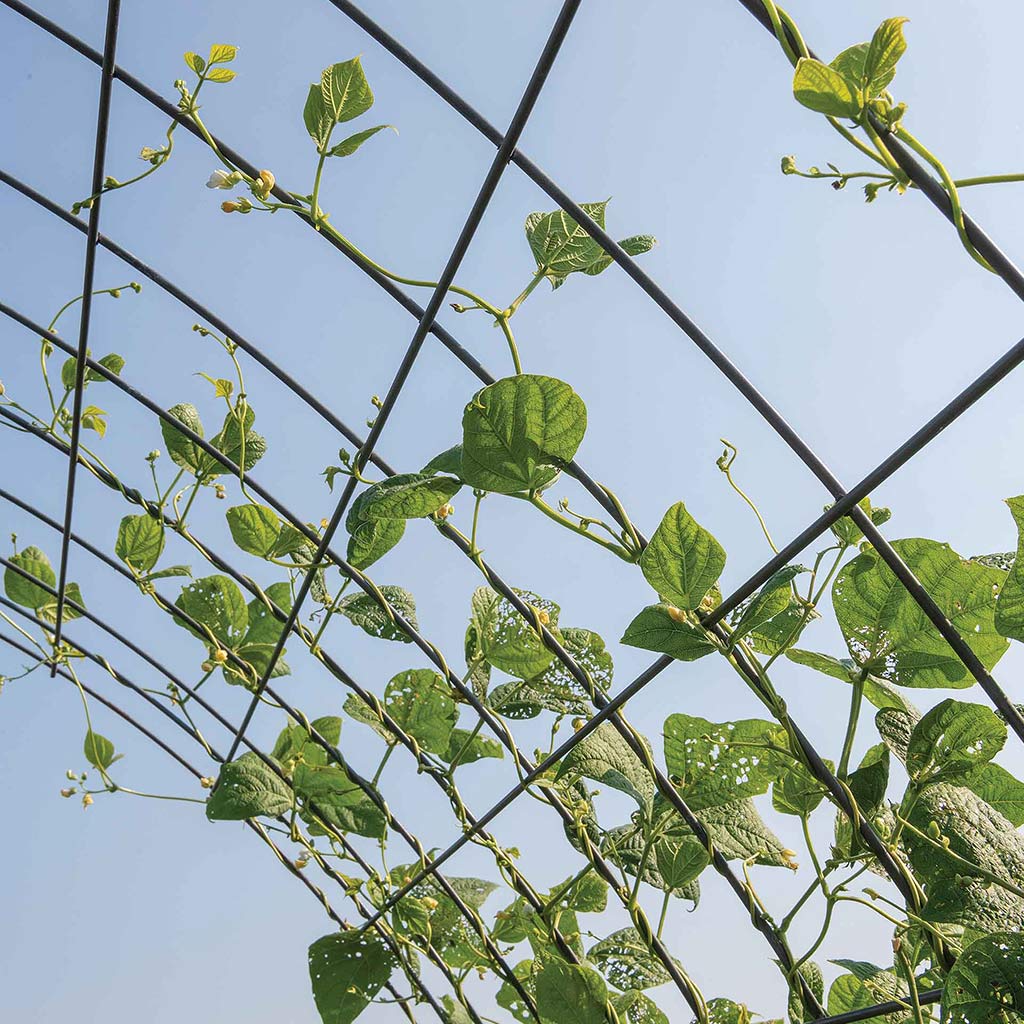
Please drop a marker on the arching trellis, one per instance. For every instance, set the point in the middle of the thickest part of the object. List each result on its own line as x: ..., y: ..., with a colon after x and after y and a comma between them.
x: 607, y: 710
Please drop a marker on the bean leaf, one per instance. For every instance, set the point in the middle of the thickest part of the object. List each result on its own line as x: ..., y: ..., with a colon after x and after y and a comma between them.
x: 986, y: 984
x: 518, y: 431
x: 366, y: 612
x: 682, y: 561
x: 347, y: 970
x: 606, y: 757
x: 819, y: 87
x: 657, y: 628
x: 36, y: 564
x: 247, y: 788
x: 951, y: 739
x: 888, y: 632
x: 99, y: 751
x: 140, y: 541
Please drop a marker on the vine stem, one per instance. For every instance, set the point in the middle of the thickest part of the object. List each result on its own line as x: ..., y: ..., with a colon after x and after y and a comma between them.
x: 856, y: 700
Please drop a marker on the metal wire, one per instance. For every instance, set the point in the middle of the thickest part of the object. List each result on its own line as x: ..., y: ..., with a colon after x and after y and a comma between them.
x: 476, y: 214
x: 99, y: 159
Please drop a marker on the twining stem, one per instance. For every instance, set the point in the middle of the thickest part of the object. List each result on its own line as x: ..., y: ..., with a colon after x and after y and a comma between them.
x: 534, y: 498
x: 851, y: 726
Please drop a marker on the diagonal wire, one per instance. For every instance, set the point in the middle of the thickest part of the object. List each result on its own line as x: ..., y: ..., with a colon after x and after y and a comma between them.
x: 99, y: 159
x: 487, y: 190
x: 286, y: 861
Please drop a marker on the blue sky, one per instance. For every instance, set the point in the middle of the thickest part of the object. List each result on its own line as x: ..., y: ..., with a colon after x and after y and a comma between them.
x: 857, y: 321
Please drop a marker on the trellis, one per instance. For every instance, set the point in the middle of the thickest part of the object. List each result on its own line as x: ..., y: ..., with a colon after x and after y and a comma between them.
x: 606, y: 710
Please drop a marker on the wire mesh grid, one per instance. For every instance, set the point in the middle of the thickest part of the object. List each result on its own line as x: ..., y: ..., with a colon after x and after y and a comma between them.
x: 607, y: 709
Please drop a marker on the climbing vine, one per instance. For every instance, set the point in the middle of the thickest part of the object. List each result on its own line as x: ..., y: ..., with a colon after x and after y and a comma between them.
x: 925, y: 824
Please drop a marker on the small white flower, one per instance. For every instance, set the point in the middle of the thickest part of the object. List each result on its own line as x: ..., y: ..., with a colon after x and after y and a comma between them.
x: 222, y: 179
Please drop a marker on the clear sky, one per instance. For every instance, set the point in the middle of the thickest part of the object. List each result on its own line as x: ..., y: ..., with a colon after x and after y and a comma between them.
x: 857, y: 321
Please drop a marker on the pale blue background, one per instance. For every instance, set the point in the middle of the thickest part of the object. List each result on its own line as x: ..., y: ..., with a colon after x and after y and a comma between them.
x: 858, y: 322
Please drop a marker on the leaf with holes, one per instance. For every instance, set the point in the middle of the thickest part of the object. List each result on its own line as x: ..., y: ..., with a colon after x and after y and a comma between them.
x: 419, y: 701
x: 216, y: 603
x: 248, y: 788
x: 888, y: 632
x: 986, y: 984
x: 627, y: 961
x: 347, y: 970
x: 365, y: 611
x: 506, y: 639
x: 719, y: 763
x: 951, y: 739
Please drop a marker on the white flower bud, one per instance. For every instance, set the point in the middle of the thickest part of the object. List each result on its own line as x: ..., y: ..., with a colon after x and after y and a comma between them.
x: 223, y: 179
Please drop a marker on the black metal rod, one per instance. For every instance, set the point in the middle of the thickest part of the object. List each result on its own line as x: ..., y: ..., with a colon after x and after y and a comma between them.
x: 99, y: 159
x: 526, y: 105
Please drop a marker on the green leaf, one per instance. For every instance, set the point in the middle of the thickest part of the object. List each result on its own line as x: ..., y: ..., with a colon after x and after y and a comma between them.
x: 506, y: 639
x: 183, y: 451
x: 561, y: 247
x: 22, y: 591
x: 811, y: 973
x: 372, y: 540
x: 718, y: 763
x: 99, y: 751
x: 94, y: 418
x: 243, y: 452
x: 818, y: 87
x: 140, y: 541
x: 567, y: 994
x: 880, y: 694
x: 68, y: 371
x: 348, y: 146
x: 419, y: 701
x: 1009, y: 618
x: 780, y: 632
x: 332, y: 800
x: 998, y: 788
x: 220, y: 75
x: 847, y: 531
x: 627, y: 961
x: 72, y: 595
x: 739, y: 832
x: 850, y: 63
x: 771, y: 600
x: 316, y: 116
x: 798, y: 792
x: 986, y: 984
x: 364, y: 611
x: 469, y: 748
x: 346, y: 93
x: 888, y: 632
x: 295, y: 743
x: 254, y: 528
x: 636, y: 1008
x: 449, y: 461
x: 556, y: 688
x: 951, y: 739
x: 247, y: 788
x: 406, y: 496
x: 656, y: 629
x: 886, y: 47
x: 682, y: 561
x: 167, y: 572
x: 625, y: 846
x: 850, y: 992
x: 606, y: 757
x: 217, y: 603
x: 222, y: 53
x: 262, y: 634
x: 195, y: 62
x: 680, y: 859
x: 518, y: 431
x: 347, y: 970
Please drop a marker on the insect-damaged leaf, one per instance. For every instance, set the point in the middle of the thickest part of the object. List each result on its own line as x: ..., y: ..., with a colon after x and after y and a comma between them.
x: 888, y: 632
x: 347, y: 970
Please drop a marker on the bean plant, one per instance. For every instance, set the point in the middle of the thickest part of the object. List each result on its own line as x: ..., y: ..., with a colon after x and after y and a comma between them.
x: 925, y: 833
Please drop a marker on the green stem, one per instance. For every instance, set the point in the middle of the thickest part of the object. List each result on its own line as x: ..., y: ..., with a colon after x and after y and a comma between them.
x: 534, y: 498
x: 383, y: 761
x: 851, y: 725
